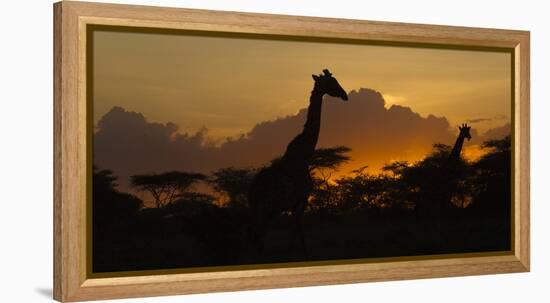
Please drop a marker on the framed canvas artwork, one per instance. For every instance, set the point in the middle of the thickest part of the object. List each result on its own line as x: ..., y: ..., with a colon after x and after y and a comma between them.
x: 200, y: 151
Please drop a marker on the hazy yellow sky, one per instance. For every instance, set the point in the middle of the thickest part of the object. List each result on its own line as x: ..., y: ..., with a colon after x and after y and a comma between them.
x: 230, y: 84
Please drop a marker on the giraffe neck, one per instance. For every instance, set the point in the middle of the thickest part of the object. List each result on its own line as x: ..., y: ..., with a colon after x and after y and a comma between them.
x: 455, y: 153
x: 313, y: 121
x: 303, y: 145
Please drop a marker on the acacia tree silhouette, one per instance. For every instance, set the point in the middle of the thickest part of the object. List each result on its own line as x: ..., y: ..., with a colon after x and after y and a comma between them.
x: 324, y: 162
x: 286, y: 184
x: 165, y: 188
x: 234, y: 183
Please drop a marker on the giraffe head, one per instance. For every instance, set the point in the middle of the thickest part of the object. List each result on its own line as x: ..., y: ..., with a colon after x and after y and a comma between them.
x: 465, y: 131
x: 326, y: 84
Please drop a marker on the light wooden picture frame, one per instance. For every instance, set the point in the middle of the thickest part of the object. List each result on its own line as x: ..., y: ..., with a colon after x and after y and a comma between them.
x: 72, y: 131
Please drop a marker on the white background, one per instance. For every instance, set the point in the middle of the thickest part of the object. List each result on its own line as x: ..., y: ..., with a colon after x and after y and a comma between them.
x: 26, y: 150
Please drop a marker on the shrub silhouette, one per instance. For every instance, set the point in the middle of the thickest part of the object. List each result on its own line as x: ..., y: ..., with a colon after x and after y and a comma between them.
x: 113, y: 214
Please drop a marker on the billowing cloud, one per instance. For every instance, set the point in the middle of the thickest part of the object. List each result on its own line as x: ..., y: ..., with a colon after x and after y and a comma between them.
x: 127, y: 143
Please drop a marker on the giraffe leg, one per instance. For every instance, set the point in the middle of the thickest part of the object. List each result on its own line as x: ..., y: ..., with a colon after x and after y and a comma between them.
x: 255, y: 233
x: 259, y: 235
x: 297, y: 233
x: 301, y: 237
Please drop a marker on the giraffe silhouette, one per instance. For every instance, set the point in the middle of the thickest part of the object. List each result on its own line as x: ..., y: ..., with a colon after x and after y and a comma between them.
x: 454, y: 156
x: 452, y: 173
x: 285, y: 185
x: 442, y: 180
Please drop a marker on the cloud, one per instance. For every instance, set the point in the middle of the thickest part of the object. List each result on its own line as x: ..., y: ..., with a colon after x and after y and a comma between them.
x: 485, y: 119
x: 501, y: 117
x: 478, y: 120
x: 474, y: 150
x: 127, y: 143
x: 394, y: 99
x: 497, y: 132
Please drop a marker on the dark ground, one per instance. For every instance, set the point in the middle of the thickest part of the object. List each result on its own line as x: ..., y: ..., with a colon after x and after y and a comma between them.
x: 157, y: 241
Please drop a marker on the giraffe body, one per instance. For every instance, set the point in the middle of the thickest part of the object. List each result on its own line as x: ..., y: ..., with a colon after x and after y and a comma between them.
x: 285, y: 185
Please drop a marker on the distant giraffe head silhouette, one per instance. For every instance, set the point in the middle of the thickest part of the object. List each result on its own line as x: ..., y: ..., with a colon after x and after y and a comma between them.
x: 457, y: 148
x: 326, y: 84
x: 465, y: 131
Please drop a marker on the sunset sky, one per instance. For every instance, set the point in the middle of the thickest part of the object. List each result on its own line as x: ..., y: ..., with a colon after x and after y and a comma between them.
x: 191, y: 93
x: 229, y: 84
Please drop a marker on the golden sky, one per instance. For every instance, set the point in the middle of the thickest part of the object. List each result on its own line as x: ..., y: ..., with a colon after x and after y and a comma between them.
x: 230, y: 84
